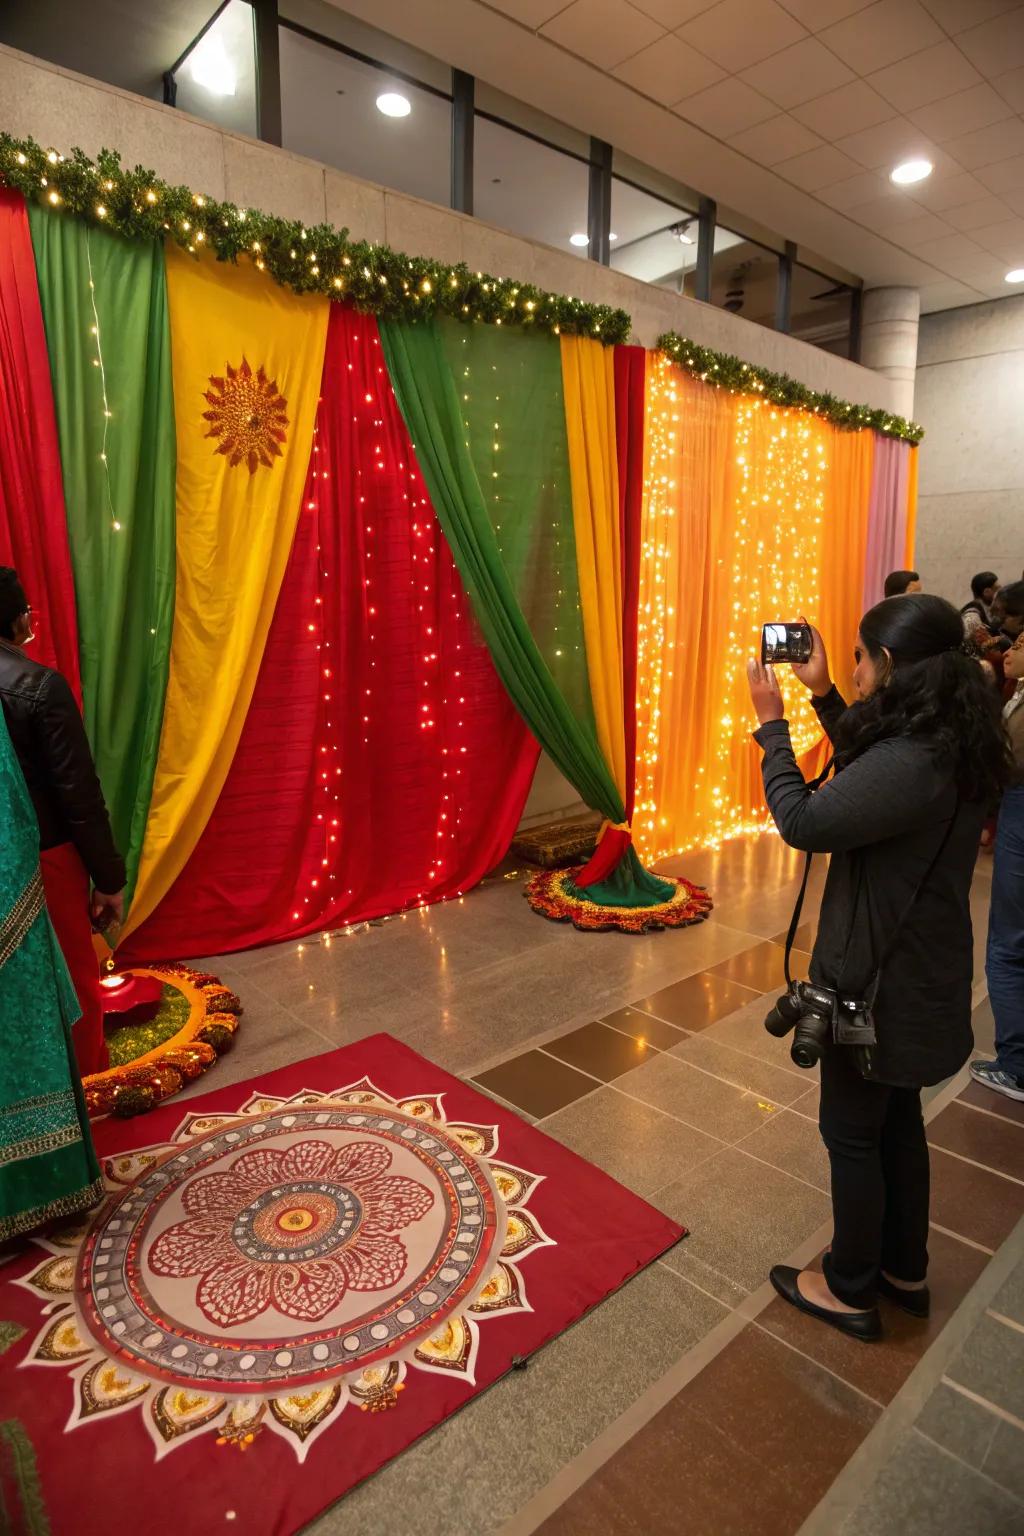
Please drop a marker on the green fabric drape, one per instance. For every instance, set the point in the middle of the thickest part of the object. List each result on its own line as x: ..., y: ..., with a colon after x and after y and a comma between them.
x: 104, y: 306
x: 47, y: 1164
x: 429, y: 398
x: 509, y: 389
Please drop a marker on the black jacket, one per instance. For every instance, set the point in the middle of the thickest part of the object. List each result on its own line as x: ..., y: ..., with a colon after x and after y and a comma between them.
x: 883, y: 819
x: 49, y: 739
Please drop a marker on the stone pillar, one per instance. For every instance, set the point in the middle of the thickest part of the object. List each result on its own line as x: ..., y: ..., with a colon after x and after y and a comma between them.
x: 888, y: 339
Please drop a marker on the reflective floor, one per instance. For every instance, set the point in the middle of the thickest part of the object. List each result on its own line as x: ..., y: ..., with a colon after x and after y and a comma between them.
x: 687, y: 1401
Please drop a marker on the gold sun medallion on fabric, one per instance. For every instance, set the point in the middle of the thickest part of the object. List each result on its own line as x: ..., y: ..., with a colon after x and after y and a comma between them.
x: 248, y: 413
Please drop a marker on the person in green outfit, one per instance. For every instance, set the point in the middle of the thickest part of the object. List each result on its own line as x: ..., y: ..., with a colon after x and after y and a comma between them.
x: 48, y: 1167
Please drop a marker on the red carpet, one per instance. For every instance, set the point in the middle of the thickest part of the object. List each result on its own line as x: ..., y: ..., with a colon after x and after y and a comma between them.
x: 281, y: 1294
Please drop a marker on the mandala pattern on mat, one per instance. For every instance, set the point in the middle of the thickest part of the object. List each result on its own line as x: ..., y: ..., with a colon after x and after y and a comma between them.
x: 290, y: 1215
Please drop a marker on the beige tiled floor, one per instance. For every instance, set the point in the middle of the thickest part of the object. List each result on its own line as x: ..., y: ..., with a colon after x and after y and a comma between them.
x: 680, y: 1094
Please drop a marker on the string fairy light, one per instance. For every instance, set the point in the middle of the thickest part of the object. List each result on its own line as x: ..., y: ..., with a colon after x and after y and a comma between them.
x: 98, y: 362
x: 701, y: 609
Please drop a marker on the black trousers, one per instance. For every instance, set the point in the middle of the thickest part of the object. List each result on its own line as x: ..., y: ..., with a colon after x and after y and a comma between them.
x: 879, y: 1159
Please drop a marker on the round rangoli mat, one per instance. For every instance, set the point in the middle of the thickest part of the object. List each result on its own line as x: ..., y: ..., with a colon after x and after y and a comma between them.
x: 284, y: 1250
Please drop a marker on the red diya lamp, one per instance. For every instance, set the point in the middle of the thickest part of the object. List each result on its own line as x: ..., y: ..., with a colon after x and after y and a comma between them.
x: 123, y: 991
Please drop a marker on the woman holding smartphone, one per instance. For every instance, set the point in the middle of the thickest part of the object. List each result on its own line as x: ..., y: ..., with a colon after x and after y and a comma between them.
x: 921, y: 758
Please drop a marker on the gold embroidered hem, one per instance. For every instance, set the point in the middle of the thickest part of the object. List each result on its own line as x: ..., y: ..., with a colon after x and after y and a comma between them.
x: 22, y: 915
x: 553, y: 894
x: 65, y: 1205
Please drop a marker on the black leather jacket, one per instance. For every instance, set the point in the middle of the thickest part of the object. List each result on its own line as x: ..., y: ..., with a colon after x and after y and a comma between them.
x: 49, y: 739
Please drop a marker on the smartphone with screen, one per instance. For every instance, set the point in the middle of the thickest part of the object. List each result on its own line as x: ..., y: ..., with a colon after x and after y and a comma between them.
x: 786, y: 643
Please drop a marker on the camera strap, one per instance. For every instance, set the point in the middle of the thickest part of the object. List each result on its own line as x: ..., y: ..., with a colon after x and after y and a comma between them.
x: 794, y: 922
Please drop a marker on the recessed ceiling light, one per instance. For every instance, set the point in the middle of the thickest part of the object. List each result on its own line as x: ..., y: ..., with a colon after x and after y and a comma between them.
x: 393, y: 104
x: 1015, y: 275
x: 579, y: 239
x: 211, y: 68
x: 908, y: 171
x: 613, y: 236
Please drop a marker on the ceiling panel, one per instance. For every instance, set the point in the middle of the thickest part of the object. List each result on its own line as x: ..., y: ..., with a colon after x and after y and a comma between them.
x: 985, y: 146
x: 798, y: 74
x: 997, y: 45
x: 817, y: 14
x: 668, y: 70
x: 1011, y: 88
x: 738, y: 33
x: 958, y: 15
x: 780, y: 138
x: 846, y: 110
x: 925, y: 77
x: 673, y: 13
x: 975, y: 215
x: 887, y: 144
x: 727, y: 108
x: 884, y: 33
x: 603, y: 31
x: 1004, y: 175
x: 962, y: 113
x: 818, y: 168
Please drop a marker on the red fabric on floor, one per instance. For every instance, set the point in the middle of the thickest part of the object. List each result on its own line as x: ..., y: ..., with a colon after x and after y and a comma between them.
x: 382, y: 764
x: 599, y: 1236
x: 66, y: 887
x: 33, y: 527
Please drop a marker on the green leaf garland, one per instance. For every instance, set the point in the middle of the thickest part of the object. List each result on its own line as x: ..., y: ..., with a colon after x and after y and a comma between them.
x: 728, y: 372
x: 308, y: 259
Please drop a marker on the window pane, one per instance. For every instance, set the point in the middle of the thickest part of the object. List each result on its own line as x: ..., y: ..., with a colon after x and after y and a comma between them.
x: 744, y: 277
x: 821, y: 311
x: 217, y: 81
x: 655, y: 241
x: 528, y: 188
x: 518, y: 115
x: 329, y: 112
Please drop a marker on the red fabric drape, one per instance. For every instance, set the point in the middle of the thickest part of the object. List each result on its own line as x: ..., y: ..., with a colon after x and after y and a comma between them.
x: 381, y: 764
x: 630, y: 370
x: 33, y: 528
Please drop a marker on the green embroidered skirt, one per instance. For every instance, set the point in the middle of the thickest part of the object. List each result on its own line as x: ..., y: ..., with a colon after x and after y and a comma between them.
x: 47, y: 1164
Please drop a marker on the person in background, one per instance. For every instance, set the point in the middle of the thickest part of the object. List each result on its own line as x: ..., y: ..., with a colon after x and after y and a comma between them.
x: 1004, y: 963
x: 899, y: 583
x: 1008, y: 614
x: 48, y: 1168
x: 77, y: 845
x: 921, y: 756
x: 977, y: 614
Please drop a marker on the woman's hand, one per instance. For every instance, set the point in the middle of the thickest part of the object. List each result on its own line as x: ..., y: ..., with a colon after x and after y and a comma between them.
x: 764, y: 692
x: 815, y: 674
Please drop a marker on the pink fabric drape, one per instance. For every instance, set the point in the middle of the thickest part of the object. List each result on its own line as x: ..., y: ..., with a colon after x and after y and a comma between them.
x: 887, y: 518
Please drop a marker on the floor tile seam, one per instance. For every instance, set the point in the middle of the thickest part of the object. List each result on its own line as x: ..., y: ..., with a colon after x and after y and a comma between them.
x: 1007, y: 1322
x: 661, y: 1018
x: 993, y: 1114
x: 763, y: 1097
x: 720, y: 1146
x: 876, y: 1402
x: 535, y: 1042
x: 708, y: 1033
x: 982, y: 1401
x: 968, y: 1242
x: 977, y: 1471
x: 543, y: 1051
x: 677, y: 1118
x: 663, y: 1050
x: 738, y: 1147
x: 729, y: 1306
x: 972, y: 1162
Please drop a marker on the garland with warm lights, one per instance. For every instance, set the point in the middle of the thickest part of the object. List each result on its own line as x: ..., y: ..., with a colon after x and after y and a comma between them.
x: 307, y: 259
x: 728, y: 372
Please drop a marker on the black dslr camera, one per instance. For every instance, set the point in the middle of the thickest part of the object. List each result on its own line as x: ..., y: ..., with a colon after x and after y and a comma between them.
x: 814, y: 1013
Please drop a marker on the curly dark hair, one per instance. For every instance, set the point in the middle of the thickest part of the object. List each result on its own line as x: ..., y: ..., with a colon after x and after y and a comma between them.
x: 935, y: 690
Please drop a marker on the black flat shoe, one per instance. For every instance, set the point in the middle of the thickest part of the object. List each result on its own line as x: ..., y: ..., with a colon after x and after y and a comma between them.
x: 859, y: 1325
x: 918, y: 1303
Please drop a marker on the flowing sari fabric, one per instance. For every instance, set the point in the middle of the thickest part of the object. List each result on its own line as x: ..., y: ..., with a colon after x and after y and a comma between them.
x: 47, y: 1164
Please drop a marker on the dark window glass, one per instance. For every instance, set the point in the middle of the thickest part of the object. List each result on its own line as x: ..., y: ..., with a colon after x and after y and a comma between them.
x: 217, y: 80
x: 744, y: 277
x: 652, y: 239
x: 821, y: 310
x: 528, y: 187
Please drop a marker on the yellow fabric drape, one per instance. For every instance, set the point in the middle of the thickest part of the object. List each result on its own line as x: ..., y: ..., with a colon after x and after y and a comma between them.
x: 247, y: 358
x: 588, y: 382
x: 908, y: 557
x: 734, y: 513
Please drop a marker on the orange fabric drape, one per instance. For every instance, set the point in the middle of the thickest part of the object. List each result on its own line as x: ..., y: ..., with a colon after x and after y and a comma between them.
x: 908, y: 559
x: 843, y: 550
x: 735, y: 510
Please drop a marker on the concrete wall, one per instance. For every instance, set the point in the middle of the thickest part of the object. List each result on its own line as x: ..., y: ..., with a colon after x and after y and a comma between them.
x: 970, y: 399
x: 64, y: 110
